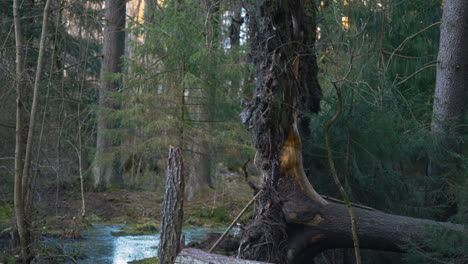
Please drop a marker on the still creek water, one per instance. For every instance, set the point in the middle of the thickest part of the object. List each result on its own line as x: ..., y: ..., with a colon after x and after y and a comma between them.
x: 99, y: 246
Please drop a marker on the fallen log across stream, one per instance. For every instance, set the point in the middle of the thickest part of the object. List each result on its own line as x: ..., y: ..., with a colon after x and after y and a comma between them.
x: 196, y: 256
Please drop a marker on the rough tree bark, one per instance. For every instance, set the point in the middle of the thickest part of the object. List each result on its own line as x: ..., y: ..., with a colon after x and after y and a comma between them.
x: 106, y: 166
x: 452, y: 70
x: 451, y: 88
x: 293, y: 223
x: 173, y: 208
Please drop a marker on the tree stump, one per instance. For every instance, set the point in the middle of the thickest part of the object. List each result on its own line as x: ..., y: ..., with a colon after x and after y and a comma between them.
x: 173, y: 212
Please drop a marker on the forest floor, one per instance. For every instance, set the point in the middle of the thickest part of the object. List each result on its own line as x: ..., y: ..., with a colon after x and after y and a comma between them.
x: 140, y: 211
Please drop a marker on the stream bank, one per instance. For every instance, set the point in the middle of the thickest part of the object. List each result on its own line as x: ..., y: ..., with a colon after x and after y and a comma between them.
x: 100, y: 245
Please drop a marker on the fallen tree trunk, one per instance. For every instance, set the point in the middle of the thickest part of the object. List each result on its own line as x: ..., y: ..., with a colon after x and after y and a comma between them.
x: 293, y: 222
x: 328, y: 227
x: 312, y: 224
x: 196, y: 256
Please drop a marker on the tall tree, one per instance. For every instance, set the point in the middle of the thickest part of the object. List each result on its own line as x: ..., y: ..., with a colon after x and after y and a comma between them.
x: 20, y: 141
x: 293, y: 222
x: 199, y: 177
x: 451, y: 82
x: 106, y: 167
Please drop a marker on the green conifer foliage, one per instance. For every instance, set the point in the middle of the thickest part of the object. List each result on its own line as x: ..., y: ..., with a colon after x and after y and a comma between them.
x: 382, y: 142
x: 180, y: 90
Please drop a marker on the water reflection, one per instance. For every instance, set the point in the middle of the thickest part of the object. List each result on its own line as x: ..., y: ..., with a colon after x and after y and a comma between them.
x: 99, y: 246
x: 129, y: 248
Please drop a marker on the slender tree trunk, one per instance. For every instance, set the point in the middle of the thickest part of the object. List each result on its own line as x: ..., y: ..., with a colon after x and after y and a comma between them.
x: 22, y: 168
x: 293, y: 223
x: 32, y: 119
x: 106, y: 166
x: 236, y: 23
x: 23, y: 233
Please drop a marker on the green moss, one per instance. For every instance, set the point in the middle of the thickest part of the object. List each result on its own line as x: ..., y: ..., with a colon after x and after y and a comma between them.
x: 6, y: 214
x: 112, y: 189
x: 208, y: 217
x: 145, y: 261
x: 137, y: 229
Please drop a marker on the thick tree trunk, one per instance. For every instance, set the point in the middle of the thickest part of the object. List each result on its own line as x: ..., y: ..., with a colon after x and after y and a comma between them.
x: 106, y: 167
x: 199, y: 170
x: 199, y: 174
x: 173, y: 208
x: 286, y: 70
x: 329, y: 227
x: 293, y: 223
x: 452, y: 70
x: 450, y: 96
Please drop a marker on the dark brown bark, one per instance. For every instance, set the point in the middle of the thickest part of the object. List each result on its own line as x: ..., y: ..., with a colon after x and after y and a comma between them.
x: 106, y: 167
x: 282, y: 51
x: 293, y: 223
x: 173, y: 211
x: 236, y: 22
x: 330, y: 227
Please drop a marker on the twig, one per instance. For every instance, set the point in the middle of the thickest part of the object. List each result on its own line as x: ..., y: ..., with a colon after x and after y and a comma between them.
x: 409, y: 38
x: 8, y: 126
x: 233, y: 223
x: 353, y: 204
x: 416, y: 72
x: 334, y: 173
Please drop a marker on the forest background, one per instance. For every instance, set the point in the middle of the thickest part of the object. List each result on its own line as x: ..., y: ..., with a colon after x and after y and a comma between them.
x: 181, y: 75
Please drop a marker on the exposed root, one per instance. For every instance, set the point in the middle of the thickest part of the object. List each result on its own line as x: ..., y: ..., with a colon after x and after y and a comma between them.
x: 246, y: 176
x: 266, y: 239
